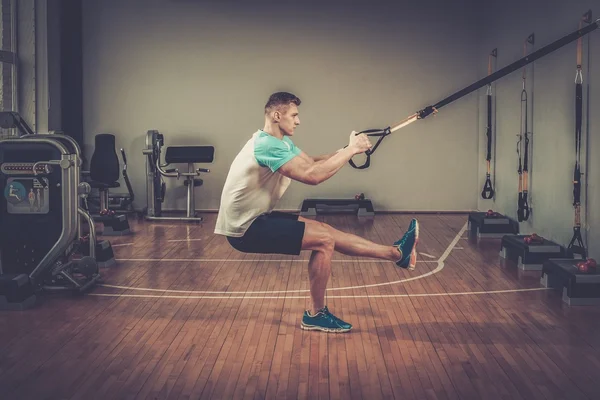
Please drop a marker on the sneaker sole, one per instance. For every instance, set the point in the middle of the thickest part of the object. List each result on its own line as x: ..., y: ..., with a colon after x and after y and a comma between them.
x: 413, y: 254
x: 320, y: 328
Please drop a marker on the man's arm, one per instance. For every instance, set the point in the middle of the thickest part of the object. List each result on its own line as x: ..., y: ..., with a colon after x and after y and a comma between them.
x: 305, y: 170
x: 324, y: 157
x: 317, y: 159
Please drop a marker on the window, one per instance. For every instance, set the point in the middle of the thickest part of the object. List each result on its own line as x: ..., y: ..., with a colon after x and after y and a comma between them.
x: 8, y: 60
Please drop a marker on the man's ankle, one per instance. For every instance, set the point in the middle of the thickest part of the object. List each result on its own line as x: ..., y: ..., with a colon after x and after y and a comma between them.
x: 396, y: 254
x: 313, y: 311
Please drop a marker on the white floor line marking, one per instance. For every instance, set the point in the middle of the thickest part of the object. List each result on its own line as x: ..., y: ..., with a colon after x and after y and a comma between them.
x: 245, y: 260
x: 440, y: 266
x: 168, y: 241
x: 365, y: 296
x: 458, y: 248
x: 426, y: 255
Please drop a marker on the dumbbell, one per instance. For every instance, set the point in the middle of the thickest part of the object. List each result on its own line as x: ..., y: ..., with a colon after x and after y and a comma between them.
x: 533, y: 238
x: 587, y: 266
x: 360, y: 196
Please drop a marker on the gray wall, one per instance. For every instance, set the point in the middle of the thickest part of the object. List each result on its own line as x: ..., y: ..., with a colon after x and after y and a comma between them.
x: 201, y: 71
x: 552, y: 96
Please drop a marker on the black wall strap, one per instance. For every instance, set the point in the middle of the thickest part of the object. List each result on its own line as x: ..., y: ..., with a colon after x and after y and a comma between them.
x: 576, y: 245
x: 523, y: 209
x: 488, y: 188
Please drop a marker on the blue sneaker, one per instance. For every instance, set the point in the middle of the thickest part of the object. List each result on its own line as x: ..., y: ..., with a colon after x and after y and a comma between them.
x: 325, y: 321
x: 408, y: 246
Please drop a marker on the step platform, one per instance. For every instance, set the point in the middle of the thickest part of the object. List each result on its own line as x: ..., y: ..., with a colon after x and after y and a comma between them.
x: 360, y: 207
x: 530, y: 256
x: 486, y: 225
x: 16, y: 292
x: 578, y: 288
x: 114, y: 225
x: 105, y: 257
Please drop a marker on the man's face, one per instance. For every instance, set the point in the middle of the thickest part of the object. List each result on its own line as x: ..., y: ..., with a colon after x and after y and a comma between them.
x: 289, y: 120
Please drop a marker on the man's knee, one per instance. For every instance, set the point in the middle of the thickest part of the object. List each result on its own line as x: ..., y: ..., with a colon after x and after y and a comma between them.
x: 328, y: 241
x: 318, y: 237
x: 325, y: 239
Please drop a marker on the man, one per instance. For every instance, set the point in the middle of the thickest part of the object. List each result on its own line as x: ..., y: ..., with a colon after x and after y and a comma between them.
x: 258, y: 178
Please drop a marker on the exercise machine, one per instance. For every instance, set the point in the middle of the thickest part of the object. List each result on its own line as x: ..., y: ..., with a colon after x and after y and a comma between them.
x: 118, y: 202
x: 155, y: 172
x: 40, y: 220
x: 104, y: 175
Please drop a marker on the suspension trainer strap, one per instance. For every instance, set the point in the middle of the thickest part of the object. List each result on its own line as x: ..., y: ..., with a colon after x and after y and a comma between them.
x: 488, y: 189
x: 425, y: 112
x: 576, y: 245
x: 523, y: 169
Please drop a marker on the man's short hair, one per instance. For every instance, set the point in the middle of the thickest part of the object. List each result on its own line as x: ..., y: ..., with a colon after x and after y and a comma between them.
x: 281, y: 100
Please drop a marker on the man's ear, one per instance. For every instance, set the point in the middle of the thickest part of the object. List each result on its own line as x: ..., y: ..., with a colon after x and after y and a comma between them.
x: 276, y: 116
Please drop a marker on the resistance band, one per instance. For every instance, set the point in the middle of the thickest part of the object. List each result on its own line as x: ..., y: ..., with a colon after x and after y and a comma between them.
x: 488, y: 189
x: 576, y: 245
x: 425, y: 112
x: 523, y: 169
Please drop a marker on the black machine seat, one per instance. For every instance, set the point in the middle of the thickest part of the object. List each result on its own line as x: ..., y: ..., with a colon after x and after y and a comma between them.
x: 104, y: 165
x: 189, y: 154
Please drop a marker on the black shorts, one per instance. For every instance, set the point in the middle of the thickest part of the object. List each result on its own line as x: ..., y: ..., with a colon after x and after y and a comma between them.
x: 277, y: 232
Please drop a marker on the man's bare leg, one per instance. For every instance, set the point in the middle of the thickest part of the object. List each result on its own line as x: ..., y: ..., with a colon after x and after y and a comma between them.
x: 318, y: 239
x: 353, y: 245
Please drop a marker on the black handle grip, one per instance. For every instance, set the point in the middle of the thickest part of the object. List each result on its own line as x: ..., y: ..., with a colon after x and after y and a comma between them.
x: 488, y: 191
x: 365, y: 165
x: 123, y: 155
x: 371, y: 132
x: 523, y: 210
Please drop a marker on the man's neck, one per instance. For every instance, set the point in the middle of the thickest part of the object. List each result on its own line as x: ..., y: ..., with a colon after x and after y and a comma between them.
x: 273, y: 130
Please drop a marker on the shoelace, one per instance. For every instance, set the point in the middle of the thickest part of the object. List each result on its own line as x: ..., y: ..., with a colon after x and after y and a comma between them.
x: 404, y: 238
x: 330, y: 316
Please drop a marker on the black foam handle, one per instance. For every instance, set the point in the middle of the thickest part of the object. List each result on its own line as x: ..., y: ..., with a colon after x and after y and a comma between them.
x: 523, y: 210
x: 371, y: 132
x: 488, y: 191
x: 365, y: 165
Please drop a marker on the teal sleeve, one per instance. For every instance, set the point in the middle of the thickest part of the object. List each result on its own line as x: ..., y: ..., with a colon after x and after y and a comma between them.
x: 272, y: 153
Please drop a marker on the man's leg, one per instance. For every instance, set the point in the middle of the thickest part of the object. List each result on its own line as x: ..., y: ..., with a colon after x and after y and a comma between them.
x: 352, y: 245
x: 318, y: 239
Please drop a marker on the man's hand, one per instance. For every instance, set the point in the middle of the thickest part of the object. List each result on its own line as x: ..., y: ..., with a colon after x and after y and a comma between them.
x: 359, y: 143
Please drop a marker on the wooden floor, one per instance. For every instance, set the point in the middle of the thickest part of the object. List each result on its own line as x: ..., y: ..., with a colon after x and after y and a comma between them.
x: 183, y: 315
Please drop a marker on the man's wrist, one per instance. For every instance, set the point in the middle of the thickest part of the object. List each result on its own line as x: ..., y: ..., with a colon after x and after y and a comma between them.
x: 352, y: 149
